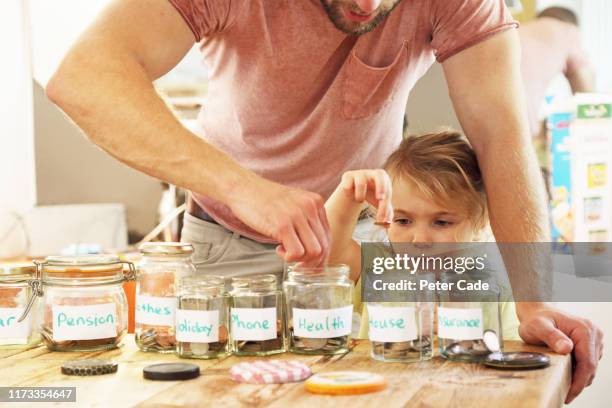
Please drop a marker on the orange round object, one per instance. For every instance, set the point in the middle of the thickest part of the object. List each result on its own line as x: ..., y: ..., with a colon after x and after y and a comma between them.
x: 345, y: 383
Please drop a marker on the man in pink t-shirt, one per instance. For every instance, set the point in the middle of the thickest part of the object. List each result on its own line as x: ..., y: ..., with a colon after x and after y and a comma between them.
x: 552, y: 46
x: 301, y: 91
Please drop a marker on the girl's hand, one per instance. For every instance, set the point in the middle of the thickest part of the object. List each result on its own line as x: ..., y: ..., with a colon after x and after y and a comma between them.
x: 373, y: 186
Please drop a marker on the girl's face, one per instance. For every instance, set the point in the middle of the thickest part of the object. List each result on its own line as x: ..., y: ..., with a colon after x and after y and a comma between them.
x: 418, y: 219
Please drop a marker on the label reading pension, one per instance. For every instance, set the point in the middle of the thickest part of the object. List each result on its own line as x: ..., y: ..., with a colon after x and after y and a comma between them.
x: 88, y: 322
x: 11, y: 331
x: 391, y: 324
x: 253, y: 324
x: 322, y: 323
x: 158, y: 311
x: 197, y: 326
x: 459, y: 324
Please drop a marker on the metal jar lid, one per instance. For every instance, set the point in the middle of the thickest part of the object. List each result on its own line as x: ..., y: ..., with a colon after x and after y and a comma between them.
x: 166, y: 248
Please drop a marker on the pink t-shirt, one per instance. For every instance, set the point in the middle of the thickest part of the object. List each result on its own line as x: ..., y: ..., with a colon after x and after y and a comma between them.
x: 299, y: 102
x: 550, y: 48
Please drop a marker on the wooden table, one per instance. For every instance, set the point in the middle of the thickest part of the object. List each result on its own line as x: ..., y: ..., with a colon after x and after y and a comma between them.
x: 435, y: 383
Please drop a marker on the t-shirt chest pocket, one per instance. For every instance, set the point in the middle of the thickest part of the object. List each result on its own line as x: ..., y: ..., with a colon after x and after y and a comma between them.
x: 368, y: 89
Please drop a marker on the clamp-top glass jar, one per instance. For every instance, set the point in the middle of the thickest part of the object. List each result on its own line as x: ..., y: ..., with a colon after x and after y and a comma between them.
x: 14, y: 294
x: 202, y: 318
x: 256, y: 322
x: 84, y: 303
x: 319, y: 309
x: 162, y: 266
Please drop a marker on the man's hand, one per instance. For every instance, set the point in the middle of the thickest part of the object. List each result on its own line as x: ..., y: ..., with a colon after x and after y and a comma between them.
x: 295, y: 218
x: 565, y: 333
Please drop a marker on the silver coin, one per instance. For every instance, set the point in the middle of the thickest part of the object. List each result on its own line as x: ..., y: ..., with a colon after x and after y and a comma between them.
x: 198, y: 349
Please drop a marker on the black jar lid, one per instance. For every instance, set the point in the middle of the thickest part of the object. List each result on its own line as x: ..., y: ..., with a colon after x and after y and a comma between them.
x: 171, y: 371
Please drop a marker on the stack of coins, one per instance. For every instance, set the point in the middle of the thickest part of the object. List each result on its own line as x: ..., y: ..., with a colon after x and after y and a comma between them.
x: 262, y: 346
x: 202, y: 349
x: 155, y: 338
x: 402, y: 349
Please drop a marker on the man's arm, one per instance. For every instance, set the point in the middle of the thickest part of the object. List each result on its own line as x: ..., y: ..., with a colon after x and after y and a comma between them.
x: 105, y: 85
x: 581, y: 80
x: 486, y: 89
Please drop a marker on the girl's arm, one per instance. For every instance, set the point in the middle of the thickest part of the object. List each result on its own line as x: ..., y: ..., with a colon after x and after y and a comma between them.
x: 343, y: 208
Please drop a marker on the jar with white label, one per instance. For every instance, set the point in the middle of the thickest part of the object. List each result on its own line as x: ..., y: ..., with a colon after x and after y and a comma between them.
x: 202, y: 318
x: 162, y: 266
x: 403, y: 331
x: 319, y: 309
x: 84, y: 304
x: 256, y: 316
x: 463, y: 315
x: 14, y: 294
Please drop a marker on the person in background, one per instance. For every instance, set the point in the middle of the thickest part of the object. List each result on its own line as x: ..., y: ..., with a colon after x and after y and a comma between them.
x: 551, y: 46
x: 433, y: 187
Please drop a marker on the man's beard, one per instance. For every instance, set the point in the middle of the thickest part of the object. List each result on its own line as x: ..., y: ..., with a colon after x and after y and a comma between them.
x: 337, y: 17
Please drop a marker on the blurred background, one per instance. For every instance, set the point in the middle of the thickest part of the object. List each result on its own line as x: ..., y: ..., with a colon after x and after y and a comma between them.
x: 61, y: 194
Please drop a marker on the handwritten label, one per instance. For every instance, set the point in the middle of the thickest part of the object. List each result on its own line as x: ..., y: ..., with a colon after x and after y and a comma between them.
x: 391, y: 324
x: 12, y: 332
x: 88, y: 322
x: 459, y: 324
x: 253, y: 324
x: 322, y: 323
x: 197, y: 326
x: 158, y: 311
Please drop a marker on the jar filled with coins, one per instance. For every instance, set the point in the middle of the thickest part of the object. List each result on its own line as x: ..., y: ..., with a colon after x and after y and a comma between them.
x: 162, y: 266
x: 84, y: 304
x: 319, y: 309
x: 256, y: 316
x: 15, y: 292
x: 202, y: 318
x: 463, y: 315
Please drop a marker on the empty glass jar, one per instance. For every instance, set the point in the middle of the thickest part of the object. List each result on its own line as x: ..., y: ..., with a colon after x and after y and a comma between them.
x: 464, y: 315
x: 319, y: 309
x: 163, y: 264
x: 256, y: 317
x: 202, y: 318
x: 15, y: 292
x: 85, y: 307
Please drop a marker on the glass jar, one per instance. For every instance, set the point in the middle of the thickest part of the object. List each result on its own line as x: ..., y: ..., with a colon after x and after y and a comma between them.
x: 162, y: 266
x: 464, y: 315
x: 403, y: 331
x: 84, y: 304
x: 202, y: 318
x: 15, y: 292
x: 319, y: 309
x: 256, y: 316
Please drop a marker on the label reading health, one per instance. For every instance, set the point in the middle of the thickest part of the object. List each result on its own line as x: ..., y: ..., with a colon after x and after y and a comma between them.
x: 154, y: 310
x: 12, y: 332
x: 322, y: 323
x: 253, y: 324
x: 391, y: 324
x: 197, y: 326
x: 459, y: 324
x: 84, y: 322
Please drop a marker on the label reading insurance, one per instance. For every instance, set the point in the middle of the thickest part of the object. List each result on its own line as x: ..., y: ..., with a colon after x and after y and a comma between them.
x: 391, y: 324
x: 253, y: 324
x: 12, y: 332
x: 322, y: 323
x: 459, y: 324
x: 84, y: 322
x: 158, y: 311
x: 197, y: 326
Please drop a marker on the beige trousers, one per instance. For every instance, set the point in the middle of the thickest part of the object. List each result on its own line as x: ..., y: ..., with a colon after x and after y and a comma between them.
x: 219, y: 251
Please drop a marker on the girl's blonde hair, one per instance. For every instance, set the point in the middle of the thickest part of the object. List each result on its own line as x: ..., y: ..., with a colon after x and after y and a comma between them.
x: 443, y: 167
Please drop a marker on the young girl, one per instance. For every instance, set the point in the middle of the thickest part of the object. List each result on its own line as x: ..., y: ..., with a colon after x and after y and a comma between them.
x: 430, y: 191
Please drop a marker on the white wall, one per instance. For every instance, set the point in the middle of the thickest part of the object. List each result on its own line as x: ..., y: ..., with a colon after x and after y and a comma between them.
x: 17, y: 176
